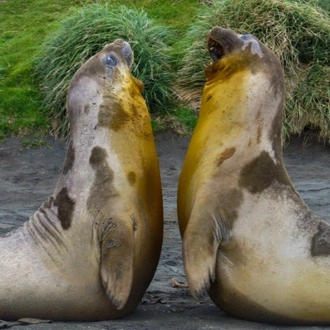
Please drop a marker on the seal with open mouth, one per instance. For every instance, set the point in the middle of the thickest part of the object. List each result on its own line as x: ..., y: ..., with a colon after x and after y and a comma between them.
x: 249, y: 240
x: 91, y: 250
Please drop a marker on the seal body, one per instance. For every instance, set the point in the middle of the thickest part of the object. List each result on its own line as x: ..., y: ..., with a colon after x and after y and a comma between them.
x: 91, y: 250
x: 249, y: 240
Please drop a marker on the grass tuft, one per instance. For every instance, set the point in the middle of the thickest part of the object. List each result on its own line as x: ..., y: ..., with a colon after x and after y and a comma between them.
x: 86, y: 32
x: 298, y: 33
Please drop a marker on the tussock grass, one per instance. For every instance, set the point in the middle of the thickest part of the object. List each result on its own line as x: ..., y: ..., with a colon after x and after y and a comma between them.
x: 86, y: 32
x: 298, y: 33
x: 22, y: 35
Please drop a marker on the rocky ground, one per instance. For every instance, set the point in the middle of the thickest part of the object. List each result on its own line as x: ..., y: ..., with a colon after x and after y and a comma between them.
x: 28, y: 177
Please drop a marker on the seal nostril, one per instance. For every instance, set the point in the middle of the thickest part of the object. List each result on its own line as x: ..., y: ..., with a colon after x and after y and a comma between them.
x: 127, y: 53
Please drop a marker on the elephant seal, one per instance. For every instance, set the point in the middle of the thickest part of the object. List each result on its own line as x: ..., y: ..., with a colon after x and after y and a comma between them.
x: 249, y: 240
x: 91, y: 250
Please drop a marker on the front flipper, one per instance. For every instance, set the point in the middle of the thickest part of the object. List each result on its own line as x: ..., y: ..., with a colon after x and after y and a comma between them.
x: 201, y: 242
x: 117, y: 256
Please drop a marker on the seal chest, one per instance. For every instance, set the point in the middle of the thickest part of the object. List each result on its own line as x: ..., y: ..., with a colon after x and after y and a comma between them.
x: 248, y: 238
x: 91, y: 250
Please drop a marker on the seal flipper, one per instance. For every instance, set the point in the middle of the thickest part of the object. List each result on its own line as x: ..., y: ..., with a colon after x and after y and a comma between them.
x: 201, y: 242
x: 117, y: 256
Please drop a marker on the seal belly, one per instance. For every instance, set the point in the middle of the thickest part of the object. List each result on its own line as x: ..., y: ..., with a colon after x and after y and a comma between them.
x: 266, y: 272
x: 269, y: 294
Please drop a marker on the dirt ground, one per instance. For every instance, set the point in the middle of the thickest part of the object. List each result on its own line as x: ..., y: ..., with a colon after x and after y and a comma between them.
x: 28, y: 177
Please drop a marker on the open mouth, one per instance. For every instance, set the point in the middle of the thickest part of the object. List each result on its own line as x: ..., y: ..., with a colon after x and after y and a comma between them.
x: 215, y: 49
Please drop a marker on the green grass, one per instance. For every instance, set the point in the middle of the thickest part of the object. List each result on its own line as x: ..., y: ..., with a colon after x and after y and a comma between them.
x: 23, y: 26
x: 187, y: 119
x: 182, y: 121
x: 298, y: 33
x: 26, y: 24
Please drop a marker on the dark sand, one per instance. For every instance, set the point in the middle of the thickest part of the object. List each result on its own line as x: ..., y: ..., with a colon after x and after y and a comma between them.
x: 28, y: 177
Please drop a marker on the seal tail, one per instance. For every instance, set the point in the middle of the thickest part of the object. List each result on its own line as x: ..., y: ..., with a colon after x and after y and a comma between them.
x: 201, y: 241
x: 117, y: 257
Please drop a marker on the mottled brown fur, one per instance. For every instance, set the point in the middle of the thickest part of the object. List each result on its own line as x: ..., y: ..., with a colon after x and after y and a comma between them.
x: 65, y: 207
x: 131, y: 177
x: 103, y: 182
x: 229, y: 152
x: 113, y: 115
x: 261, y: 173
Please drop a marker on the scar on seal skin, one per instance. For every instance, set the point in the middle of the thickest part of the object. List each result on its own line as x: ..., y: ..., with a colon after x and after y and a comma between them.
x: 90, y: 251
x: 249, y: 240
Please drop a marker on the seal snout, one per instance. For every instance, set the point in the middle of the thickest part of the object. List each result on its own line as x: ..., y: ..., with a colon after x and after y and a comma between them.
x: 126, y: 51
x: 220, y: 42
x: 223, y: 42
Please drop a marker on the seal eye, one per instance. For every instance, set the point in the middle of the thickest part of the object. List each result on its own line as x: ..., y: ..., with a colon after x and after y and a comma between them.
x: 109, y: 61
x: 246, y: 37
